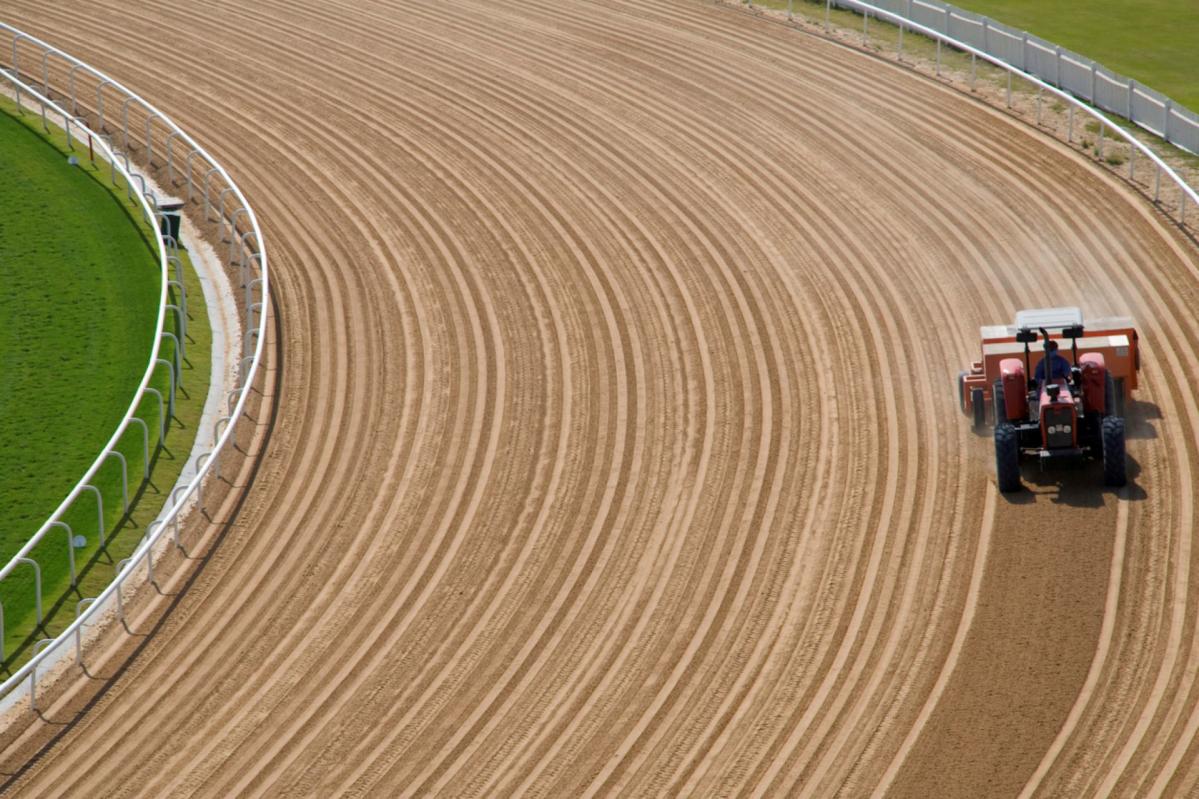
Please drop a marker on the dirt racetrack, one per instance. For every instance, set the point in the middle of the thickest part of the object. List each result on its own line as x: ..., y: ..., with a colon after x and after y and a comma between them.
x: 616, y: 448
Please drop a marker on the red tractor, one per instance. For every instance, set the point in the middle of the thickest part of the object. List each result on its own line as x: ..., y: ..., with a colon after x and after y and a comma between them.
x: 1046, y: 406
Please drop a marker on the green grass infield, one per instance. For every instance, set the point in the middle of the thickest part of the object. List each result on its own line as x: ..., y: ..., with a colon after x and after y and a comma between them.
x: 79, y: 286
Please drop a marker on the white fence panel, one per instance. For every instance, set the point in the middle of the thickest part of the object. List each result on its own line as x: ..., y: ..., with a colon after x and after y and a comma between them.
x: 1184, y: 128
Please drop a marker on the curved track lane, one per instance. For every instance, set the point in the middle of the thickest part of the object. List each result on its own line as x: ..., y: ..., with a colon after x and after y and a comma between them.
x: 616, y: 450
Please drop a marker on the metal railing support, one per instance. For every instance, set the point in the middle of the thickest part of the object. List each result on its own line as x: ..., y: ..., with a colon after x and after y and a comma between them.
x: 171, y: 373
x: 104, y: 137
x: 37, y: 592
x: 175, y: 517
x: 145, y: 444
x: 256, y: 306
x: 125, y: 122
x: 170, y: 159
x: 70, y: 548
x: 46, y: 73
x: 71, y: 83
x: 17, y: 40
x: 190, y: 180
x: 176, y: 356
x: 162, y: 416
x: 150, y: 140
x: 220, y: 215
x: 182, y: 295
x: 119, y: 581
x: 176, y: 263
x: 181, y: 326
x: 100, y: 104
x: 149, y: 539
x: 79, y: 606
x: 207, y: 198
x: 112, y: 453
x: 99, y: 510
x: 38, y: 646
x: 221, y: 425
x: 233, y: 230
x: 201, y: 460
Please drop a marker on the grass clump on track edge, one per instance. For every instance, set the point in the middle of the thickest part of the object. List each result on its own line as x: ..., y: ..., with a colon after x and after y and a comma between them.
x: 79, y: 285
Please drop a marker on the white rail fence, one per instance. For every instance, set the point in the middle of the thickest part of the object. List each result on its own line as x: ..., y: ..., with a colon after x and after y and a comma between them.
x: 64, y: 88
x: 1081, y: 76
x: 1186, y: 197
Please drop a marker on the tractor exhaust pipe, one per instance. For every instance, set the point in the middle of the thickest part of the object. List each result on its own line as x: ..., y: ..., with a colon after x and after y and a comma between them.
x: 1045, y: 358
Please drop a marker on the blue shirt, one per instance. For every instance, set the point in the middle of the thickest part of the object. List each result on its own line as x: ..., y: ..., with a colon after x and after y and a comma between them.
x: 1059, y: 370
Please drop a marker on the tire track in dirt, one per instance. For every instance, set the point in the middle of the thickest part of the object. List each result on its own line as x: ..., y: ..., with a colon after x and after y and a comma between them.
x: 677, y: 296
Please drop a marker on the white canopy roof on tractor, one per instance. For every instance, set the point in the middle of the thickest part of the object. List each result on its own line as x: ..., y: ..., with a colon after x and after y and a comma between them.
x: 1048, y: 318
x: 1053, y: 319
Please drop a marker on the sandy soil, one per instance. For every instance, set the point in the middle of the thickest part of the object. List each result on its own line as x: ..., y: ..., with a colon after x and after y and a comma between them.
x: 617, y: 450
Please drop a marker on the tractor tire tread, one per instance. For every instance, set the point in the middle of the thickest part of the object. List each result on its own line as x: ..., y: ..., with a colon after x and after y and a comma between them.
x: 1007, y: 458
x: 1115, y: 470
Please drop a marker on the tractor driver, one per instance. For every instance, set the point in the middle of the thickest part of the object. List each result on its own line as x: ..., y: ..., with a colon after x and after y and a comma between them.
x: 1059, y: 367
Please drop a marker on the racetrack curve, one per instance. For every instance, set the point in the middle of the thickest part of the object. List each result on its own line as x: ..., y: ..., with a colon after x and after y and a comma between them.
x: 616, y: 448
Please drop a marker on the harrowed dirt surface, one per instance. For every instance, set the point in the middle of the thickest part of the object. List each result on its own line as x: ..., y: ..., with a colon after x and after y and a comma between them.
x: 617, y: 450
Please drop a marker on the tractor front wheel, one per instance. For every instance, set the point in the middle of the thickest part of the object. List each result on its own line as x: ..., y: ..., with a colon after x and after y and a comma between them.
x: 979, y: 406
x: 1114, y: 467
x: 1007, y: 457
x: 1000, y: 402
x: 962, y: 391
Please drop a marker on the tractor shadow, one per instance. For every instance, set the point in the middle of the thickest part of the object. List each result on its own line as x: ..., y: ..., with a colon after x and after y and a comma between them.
x: 1081, y: 485
x: 1077, y: 486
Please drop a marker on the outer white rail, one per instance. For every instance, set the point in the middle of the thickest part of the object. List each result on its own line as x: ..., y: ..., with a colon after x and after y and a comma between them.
x: 246, y: 251
x: 1185, y: 192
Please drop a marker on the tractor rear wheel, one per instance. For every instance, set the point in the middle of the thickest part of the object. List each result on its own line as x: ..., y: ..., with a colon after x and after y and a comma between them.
x: 1114, y: 467
x: 1007, y: 457
x: 1000, y: 403
x: 979, y: 406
